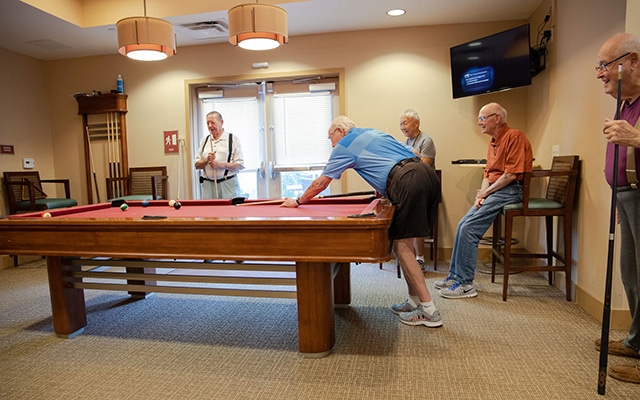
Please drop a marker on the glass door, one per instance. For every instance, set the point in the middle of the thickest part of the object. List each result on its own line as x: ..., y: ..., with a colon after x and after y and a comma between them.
x: 282, y: 127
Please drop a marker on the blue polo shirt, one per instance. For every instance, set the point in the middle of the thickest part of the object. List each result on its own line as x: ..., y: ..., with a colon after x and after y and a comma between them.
x: 370, y: 153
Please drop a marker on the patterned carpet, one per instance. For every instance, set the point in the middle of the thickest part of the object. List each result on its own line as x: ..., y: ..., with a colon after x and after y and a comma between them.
x: 534, y: 346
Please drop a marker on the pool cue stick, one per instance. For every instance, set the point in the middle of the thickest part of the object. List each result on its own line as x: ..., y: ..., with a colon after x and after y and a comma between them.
x: 109, y: 166
x: 180, y: 156
x: 114, y: 154
x: 606, y: 311
x: 257, y: 203
x: 370, y: 192
x: 118, y: 151
x: 112, y: 168
x: 215, y: 176
x: 93, y: 167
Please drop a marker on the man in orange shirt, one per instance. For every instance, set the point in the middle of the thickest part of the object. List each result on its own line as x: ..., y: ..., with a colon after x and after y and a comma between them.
x: 508, y: 157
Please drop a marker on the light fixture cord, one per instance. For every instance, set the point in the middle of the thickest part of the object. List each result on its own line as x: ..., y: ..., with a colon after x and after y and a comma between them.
x: 145, y: 7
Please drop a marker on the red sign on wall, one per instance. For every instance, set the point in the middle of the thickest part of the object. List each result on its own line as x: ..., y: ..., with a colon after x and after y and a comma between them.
x: 170, y: 142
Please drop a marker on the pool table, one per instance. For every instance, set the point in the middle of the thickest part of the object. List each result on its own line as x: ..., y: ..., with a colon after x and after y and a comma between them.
x: 318, y: 239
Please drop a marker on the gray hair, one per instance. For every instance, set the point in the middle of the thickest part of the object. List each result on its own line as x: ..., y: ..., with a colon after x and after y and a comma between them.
x: 343, y: 123
x: 410, y: 113
x: 216, y: 114
x: 498, y: 109
x: 629, y: 43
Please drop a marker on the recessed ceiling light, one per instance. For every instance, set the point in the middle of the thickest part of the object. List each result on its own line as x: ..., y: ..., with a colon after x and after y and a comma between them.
x: 396, y: 12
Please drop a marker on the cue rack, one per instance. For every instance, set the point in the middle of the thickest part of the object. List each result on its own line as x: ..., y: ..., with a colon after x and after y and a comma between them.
x: 105, y: 144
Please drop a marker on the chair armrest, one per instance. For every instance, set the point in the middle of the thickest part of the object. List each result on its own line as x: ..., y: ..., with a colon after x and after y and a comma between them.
x: 545, y: 173
x: 67, y: 190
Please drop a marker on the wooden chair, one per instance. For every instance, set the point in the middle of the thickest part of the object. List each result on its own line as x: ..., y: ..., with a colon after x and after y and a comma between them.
x: 558, y: 202
x: 25, y: 193
x: 142, y: 183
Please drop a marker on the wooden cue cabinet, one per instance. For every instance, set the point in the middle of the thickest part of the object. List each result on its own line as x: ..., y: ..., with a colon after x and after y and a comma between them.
x: 104, y: 125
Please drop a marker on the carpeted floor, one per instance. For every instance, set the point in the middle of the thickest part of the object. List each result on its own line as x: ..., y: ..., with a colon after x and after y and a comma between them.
x: 534, y: 346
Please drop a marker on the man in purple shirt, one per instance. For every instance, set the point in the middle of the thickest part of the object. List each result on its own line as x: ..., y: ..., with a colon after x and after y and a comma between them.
x: 623, y: 51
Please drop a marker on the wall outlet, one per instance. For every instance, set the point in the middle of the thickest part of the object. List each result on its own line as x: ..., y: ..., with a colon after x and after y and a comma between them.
x: 555, y: 150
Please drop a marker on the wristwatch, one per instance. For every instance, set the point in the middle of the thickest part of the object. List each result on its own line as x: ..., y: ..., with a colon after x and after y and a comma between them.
x: 298, y: 201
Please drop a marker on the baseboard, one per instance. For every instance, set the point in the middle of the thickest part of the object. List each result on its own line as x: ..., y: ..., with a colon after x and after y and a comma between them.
x: 620, y: 319
x: 7, y: 261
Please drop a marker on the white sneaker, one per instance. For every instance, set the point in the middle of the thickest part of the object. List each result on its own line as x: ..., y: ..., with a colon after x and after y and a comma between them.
x: 459, y: 291
x: 403, y: 307
x: 421, y: 317
x: 445, y: 283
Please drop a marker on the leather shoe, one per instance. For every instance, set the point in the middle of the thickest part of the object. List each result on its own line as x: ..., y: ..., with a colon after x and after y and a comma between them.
x: 625, y: 373
x: 617, y: 348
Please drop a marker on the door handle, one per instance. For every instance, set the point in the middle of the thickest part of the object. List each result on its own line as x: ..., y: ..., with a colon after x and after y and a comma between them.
x: 272, y: 171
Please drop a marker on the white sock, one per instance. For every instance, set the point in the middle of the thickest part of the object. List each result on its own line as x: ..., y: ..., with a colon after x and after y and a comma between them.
x: 421, y: 258
x: 428, y: 306
x: 414, y: 301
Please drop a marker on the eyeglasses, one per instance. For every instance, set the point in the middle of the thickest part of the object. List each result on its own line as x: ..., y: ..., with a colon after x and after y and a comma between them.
x: 332, y: 132
x: 603, y: 65
x: 484, y: 117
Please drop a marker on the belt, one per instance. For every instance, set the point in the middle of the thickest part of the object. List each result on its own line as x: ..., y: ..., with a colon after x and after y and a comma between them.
x: 625, y: 188
x: 398, y: 166
x: 512, y: 183
x: 226, y: 178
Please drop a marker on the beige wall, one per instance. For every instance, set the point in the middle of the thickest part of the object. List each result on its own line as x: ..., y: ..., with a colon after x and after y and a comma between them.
x: 25, y: 115
x: 386, y: 71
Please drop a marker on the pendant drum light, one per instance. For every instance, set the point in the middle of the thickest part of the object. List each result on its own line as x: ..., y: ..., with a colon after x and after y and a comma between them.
x: 258, y: 26
x: 146, y: 38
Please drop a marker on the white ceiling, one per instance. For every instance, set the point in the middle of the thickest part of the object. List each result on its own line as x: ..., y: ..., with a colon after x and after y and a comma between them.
x: 30, y: 31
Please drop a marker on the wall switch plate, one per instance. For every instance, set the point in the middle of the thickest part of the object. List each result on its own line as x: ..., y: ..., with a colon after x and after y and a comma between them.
x: 555, y: 150
x: 28, y: 163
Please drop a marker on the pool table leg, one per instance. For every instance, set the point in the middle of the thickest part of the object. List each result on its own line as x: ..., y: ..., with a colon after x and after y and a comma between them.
x: 139, y: 270
x: 342, y: 285
x: 67, y: 303
x: 316, y: 325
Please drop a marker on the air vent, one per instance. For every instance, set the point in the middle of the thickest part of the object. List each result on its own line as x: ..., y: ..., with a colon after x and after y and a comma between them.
x: 205, y: 29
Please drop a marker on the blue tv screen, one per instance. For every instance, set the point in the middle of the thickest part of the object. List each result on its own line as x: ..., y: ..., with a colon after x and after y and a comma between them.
x: 490, y: 64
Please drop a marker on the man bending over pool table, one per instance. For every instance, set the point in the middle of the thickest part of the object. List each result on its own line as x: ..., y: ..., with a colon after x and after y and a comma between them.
x: 394, y: 171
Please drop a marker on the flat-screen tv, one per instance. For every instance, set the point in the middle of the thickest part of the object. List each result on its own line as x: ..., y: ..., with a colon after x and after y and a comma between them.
x: 493, y: 63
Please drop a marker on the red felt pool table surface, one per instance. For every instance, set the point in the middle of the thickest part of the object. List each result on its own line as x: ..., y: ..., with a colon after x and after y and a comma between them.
x: 319, y: 208
x: 319, y: 237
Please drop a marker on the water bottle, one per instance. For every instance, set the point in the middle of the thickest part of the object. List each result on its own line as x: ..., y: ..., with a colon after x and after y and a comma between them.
x: 120, y: 84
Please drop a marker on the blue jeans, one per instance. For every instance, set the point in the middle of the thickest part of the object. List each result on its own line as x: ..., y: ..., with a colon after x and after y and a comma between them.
x: 472, y: 226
